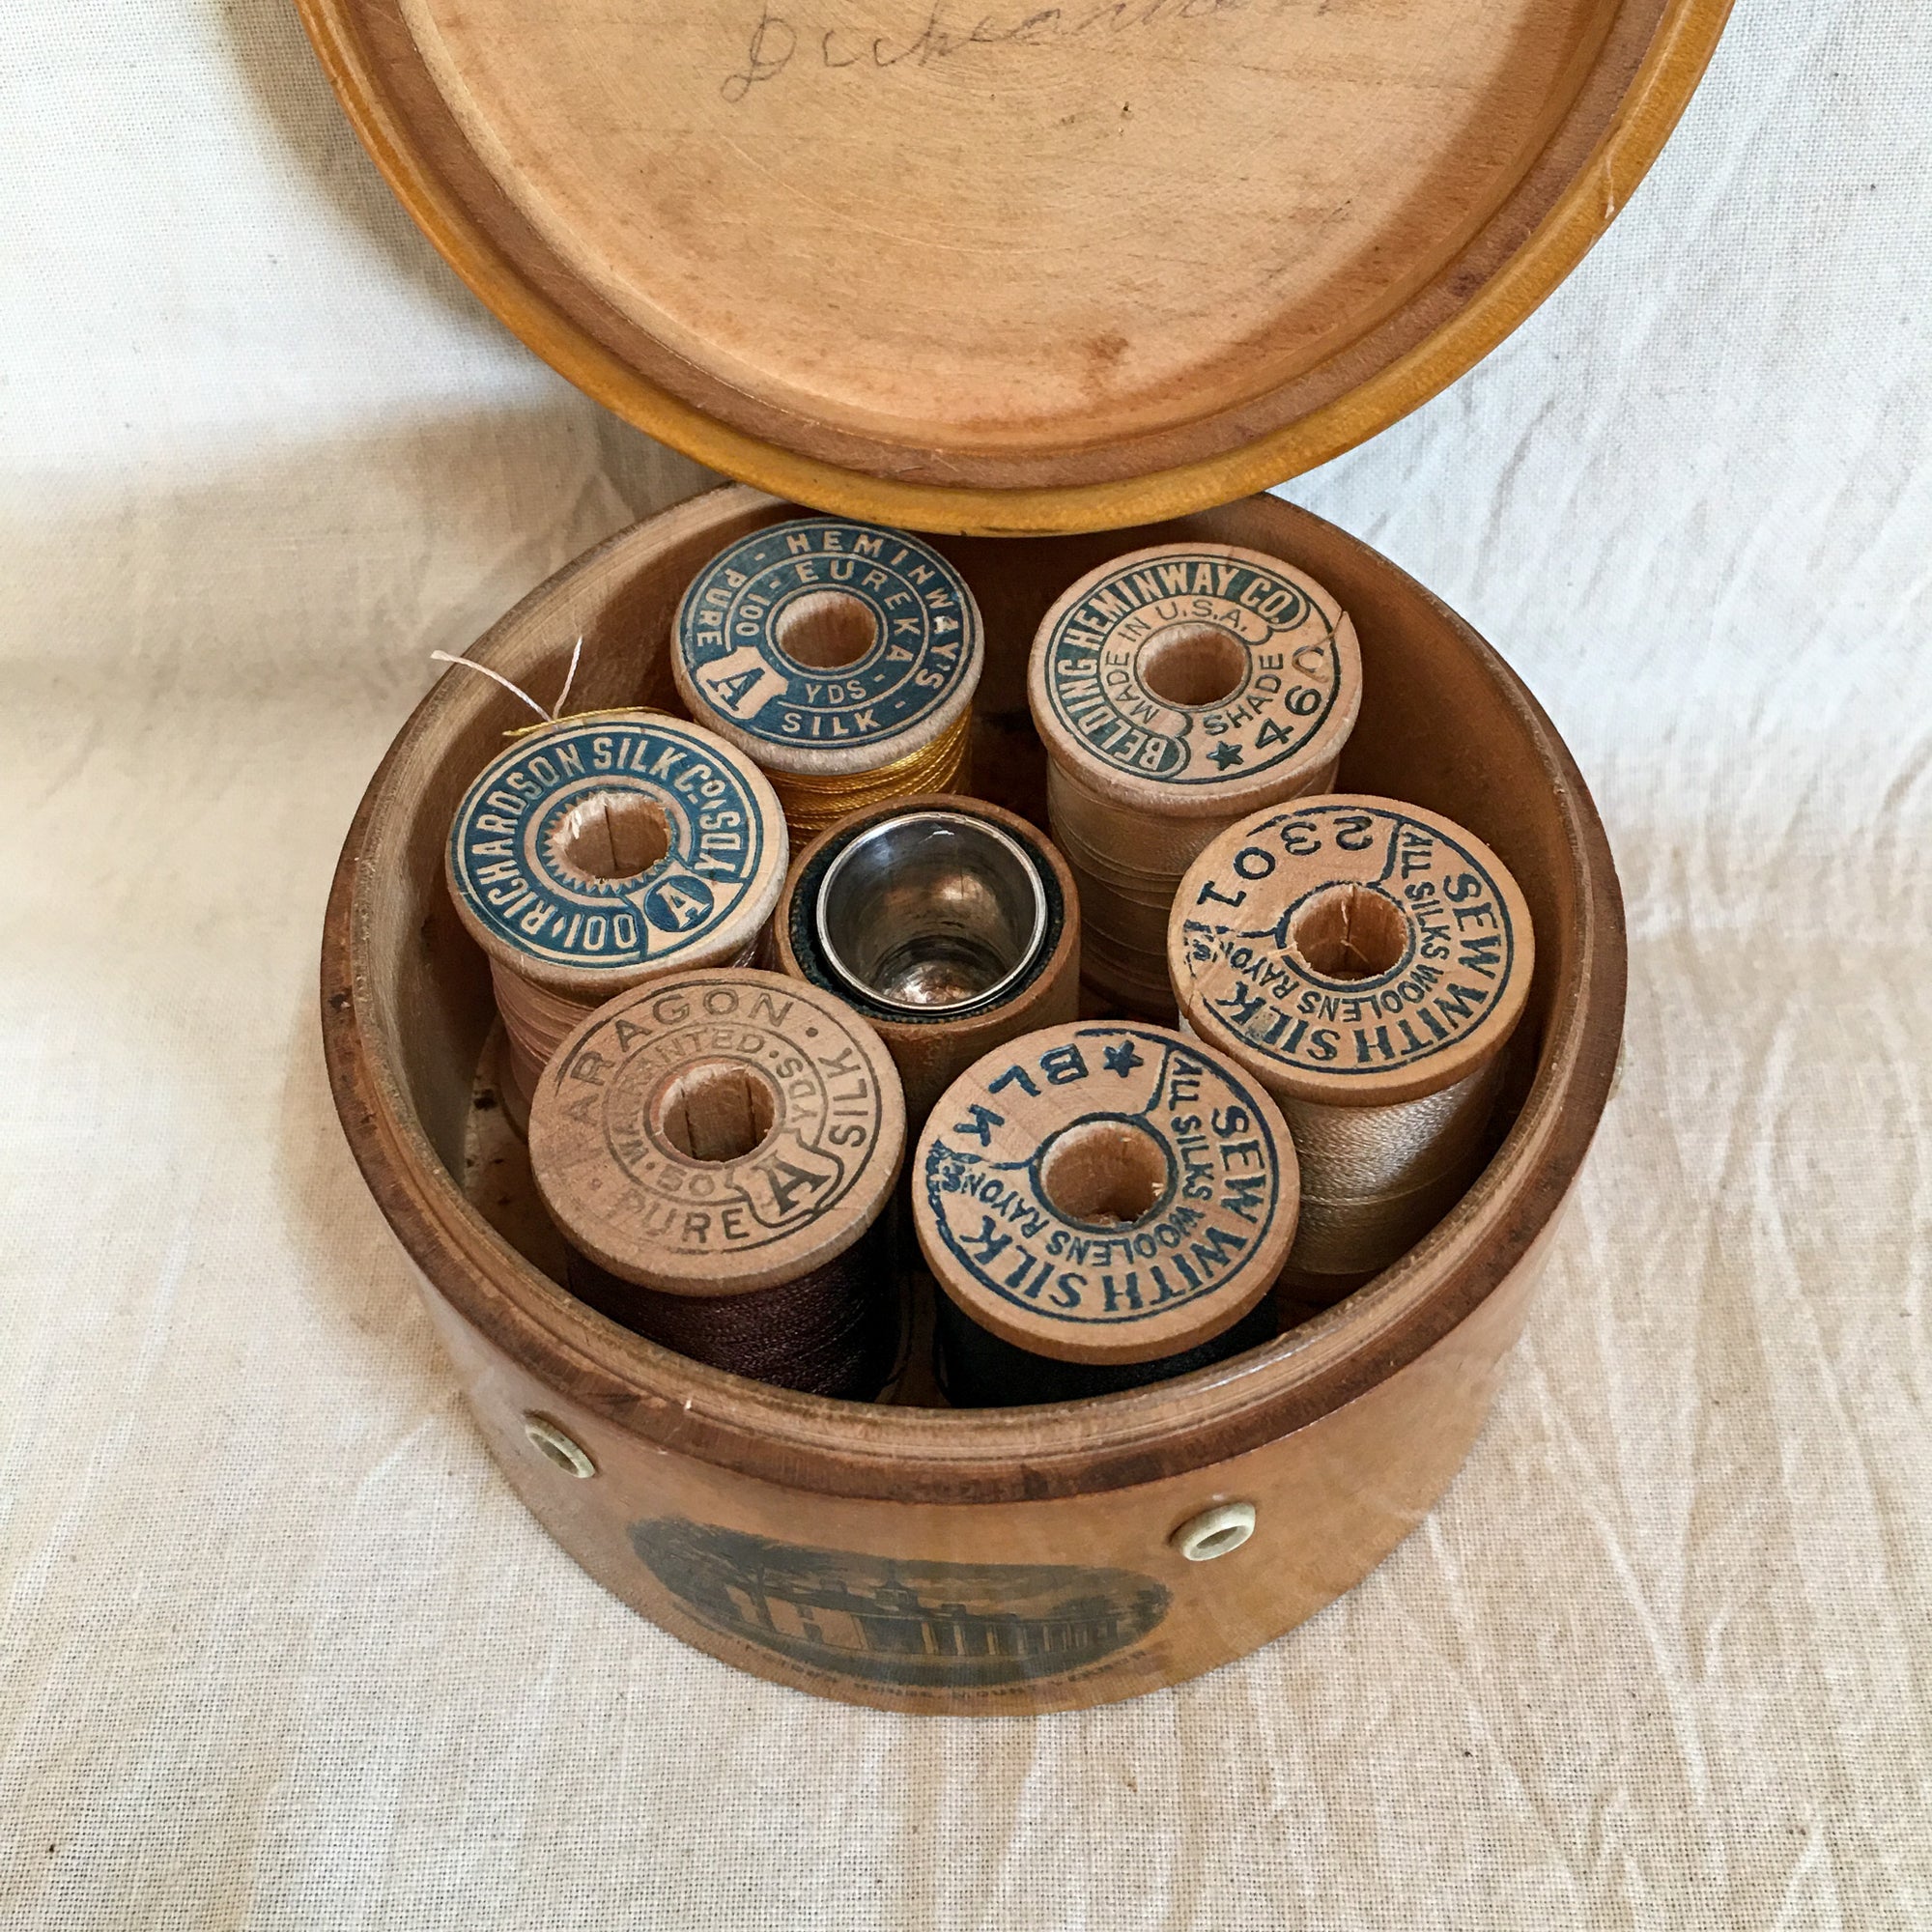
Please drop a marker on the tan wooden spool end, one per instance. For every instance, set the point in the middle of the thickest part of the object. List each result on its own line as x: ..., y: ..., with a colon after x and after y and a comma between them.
x: 1354, y: 951
x: 825, y: 646
x: 1008, y: 268
x: 608, y: 850
x: 717, y: 1132
x: 1192, y: 681
x: 1105, y: 1193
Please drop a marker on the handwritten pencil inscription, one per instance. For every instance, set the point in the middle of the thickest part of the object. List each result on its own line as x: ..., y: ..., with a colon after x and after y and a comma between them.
x: 782, y: 39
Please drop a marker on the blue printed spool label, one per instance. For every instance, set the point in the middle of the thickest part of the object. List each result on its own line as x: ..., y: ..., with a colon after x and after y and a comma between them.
x: 922, y: 656
x: 513, y: 842
x: 989, y: 1153
x: 1106, y: 647
x: 1448, y: 964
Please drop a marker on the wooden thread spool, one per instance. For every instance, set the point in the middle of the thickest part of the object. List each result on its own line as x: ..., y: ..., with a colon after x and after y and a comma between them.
x: 602, y: 852
x: 840, y: 657
x: 717, y: 1149
x: 918, y: 913
x: 1177, y: 689
x: 1102, y: 1205
x: 1367, y: 961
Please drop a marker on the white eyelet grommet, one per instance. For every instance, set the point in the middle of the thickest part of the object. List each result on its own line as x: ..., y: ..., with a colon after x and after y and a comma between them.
x: 554, y: 1446
x: 1214, y: 1532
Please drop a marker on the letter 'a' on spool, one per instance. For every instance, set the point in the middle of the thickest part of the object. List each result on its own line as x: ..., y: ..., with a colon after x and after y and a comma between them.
x: 604, y: 851
x: 843, y: 658
x: 1367, y: 961
x: 949, y: 923
x: 1176, y: 690
x: 1102, y: 1205
x: 715, y: 1135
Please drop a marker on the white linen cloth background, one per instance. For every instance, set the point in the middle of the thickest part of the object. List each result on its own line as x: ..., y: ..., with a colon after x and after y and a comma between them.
x: 278, y: 1647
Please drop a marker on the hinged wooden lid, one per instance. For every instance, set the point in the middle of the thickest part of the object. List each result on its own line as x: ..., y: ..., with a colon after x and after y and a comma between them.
x: 1004, y: 268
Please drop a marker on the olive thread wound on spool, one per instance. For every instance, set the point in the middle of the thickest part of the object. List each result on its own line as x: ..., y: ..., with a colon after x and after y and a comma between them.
x: 596, y: 853
x: 1368, y: 962
x: 1111, y: 1202
x: 1176, y: 690
x: 840, y: 657
x: 948, y: 924
x: 728, y: 1140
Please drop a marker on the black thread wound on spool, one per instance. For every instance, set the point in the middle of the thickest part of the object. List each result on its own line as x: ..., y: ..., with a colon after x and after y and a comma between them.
x: 834, y: 1332
x: 977, y: 1370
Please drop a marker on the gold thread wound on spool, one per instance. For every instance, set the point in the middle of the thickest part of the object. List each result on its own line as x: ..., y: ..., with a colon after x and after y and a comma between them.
x: 1109, y: 1202
x: 597, y: 853
x: 717, y: 1149
x: 813, y: 805
x: 842, y: 656
x: 947, y: 963
x: 1176, y: 690
x: 1367, y: 961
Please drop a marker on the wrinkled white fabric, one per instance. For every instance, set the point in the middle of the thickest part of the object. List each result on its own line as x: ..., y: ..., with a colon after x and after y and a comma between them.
x: 278, y: 1648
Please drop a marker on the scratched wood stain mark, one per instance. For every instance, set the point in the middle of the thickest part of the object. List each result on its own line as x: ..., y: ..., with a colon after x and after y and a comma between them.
x: 944, y: 1626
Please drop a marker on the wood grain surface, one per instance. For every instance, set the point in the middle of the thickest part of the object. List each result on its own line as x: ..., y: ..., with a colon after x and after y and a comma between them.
x: 1046, y: 269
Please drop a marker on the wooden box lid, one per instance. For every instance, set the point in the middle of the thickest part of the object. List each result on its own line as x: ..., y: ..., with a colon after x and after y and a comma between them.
x: 1004, y: 267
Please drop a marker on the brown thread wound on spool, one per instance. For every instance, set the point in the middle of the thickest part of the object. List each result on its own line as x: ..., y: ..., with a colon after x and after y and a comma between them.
x: 835, y: 1331
x: 536, y: 1021
x: 719, y: 1149
x: 1412, y: 940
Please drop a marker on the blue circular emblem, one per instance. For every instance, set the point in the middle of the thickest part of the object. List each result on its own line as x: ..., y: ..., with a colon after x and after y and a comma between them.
x: 613, y: 842
x: 911, y: 628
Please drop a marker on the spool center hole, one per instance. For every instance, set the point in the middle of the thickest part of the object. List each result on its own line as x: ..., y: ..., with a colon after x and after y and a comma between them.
x: 1347, y: 932
x: 1104, y: 1171
x: 826, y: 630
x: 715, y: 1109
x: 613, y: 836
x: 1193, y: 665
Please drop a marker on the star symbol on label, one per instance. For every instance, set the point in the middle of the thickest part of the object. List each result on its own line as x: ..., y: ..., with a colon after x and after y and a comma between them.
x: 1225, y: 755
x: 1123, y: 1059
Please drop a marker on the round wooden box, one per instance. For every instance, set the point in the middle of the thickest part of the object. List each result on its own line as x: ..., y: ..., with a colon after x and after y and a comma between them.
x: 919, y: 1559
